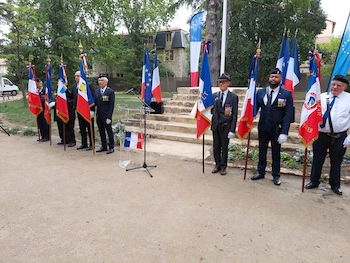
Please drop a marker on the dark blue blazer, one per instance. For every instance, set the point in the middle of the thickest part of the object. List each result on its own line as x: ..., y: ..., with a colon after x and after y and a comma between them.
x: 105, y: 103
x: 219, y: 112
x: 282, y: 109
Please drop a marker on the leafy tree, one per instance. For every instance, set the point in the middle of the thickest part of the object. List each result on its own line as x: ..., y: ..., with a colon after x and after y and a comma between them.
x: 267, y: 21
x: 329, y: 54
x: 21, y: 18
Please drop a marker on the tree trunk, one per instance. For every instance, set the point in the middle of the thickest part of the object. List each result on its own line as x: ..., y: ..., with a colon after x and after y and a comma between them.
x: 214, y: 28
x: 19, y: 71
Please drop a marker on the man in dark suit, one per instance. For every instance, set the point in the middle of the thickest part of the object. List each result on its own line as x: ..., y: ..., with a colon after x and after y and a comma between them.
x: 223, y: 123
x: 276, y: 114
x: 84, y: 125
x: 104, y: 101
x: 41, y: 121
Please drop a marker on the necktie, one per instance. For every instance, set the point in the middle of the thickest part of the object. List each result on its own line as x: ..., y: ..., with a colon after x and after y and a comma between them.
x: 326, y: 114
x: 222, y: 98
x: 270, y: 97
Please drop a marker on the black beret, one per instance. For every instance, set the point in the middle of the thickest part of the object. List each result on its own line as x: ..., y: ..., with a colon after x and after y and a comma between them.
x: 276, y: 71
x: 38, y: 80
x: 341, y: 78
x: 224, y: 76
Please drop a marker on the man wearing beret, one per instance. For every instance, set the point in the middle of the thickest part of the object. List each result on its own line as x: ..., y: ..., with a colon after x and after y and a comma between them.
x: 276, y: 114
x: 224, y: 121
x: 332, y: 136
x: 104, y: 100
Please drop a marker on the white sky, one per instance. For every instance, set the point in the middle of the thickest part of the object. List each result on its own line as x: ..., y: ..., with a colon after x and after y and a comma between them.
x: 336, y: 10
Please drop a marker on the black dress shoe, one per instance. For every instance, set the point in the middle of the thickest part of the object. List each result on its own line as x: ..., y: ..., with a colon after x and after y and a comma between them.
x: 311, y: 185
x: 81, y: 147
x: 337, y: 190
x: 223, y: 171
x: 257, y: 177
x: 71, y: 144
x: 60, y: 143
x: 276, y: 180
x: 101, y: 150
x: 44, y: 140
x: 216, y: 170
x: 110, y: 151
x: 88, y: 148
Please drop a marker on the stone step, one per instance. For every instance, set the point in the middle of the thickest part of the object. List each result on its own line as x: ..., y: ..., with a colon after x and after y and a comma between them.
x: 190, y: 128
x: 208, y: 139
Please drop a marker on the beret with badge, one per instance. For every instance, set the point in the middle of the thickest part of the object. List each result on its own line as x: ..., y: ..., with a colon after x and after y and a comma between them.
x: 341, y: 78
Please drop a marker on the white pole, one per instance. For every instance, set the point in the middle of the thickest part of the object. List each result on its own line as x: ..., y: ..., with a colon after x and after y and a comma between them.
x: 223, y: 38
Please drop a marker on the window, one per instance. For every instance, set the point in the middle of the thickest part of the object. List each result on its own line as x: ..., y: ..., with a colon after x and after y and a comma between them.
x: 169, y: 54
x: 150, y: 39
x: 168, y: 37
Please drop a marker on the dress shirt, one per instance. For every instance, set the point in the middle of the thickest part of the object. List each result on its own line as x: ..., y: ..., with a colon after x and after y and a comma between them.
x: 274, y: 94
x: 340, y: 113
x: 224, y: 97
x: 103, y: 90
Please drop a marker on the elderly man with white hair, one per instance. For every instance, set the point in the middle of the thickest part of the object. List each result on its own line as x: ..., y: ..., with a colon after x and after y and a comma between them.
x: 104, y: 100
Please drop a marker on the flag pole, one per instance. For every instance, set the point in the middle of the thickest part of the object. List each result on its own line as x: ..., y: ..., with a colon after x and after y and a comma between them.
x: 304, y: 170
x: 246, y: 156
x: 36, y: 117
x: 223, y: 38
x: 64, y: 124
x: 258, y: 51
x: 86, y: 73
x: 50, y: 129
x: 203, y: 153
x: 339, y: 49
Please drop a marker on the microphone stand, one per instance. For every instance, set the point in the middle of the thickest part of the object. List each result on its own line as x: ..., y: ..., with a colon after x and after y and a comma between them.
x: 146, y: 109
x: 4, y: 130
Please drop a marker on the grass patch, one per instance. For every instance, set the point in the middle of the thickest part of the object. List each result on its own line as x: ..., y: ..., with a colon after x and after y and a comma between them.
x: 126, y: 105
x: 16, y: 113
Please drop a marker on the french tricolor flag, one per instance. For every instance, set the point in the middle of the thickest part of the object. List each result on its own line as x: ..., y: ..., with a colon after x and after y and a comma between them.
x: 293, y: 71
x: 195, y: 46
x: 133, y: 140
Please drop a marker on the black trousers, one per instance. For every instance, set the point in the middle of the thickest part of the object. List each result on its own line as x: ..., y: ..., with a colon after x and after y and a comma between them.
x: 69, y: 126
x: 220, y: 145
x: 336, y: 150
x: 264, y: 138
x: 43, y: 126
x: 85, y: 130
x: 103, y: 128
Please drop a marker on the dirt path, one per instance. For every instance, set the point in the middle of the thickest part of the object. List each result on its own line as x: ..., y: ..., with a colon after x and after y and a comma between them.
x: 71, y: 206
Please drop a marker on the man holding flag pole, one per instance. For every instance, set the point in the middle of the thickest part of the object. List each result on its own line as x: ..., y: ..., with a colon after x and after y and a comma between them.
x: 224, y: 122
x: 333, y: 134
x: 85, y: 98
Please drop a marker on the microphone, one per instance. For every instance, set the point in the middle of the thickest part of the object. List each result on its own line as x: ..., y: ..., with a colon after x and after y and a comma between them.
x: 130, y: 90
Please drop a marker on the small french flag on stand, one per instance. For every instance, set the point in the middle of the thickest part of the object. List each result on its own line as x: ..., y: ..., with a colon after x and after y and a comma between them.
x: 133, y: 140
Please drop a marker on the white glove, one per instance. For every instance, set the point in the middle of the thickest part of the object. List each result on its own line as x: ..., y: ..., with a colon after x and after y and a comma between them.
x: 92, y: 114
x: 108, y: 121
x: 231, y: 135
x: 282, y: 138
x: 52, y: 104
x: 346, y: 142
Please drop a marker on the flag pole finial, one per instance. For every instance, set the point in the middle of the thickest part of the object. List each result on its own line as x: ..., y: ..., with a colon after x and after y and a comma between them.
x: 61, y: 58
x: 48, y: 60
x: 80, y: 46
x: 288, y: 32
x: 296, y: 32
x: 284, y: 31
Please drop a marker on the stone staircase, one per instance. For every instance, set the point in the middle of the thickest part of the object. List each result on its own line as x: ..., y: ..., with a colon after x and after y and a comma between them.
x: 176, y: 124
